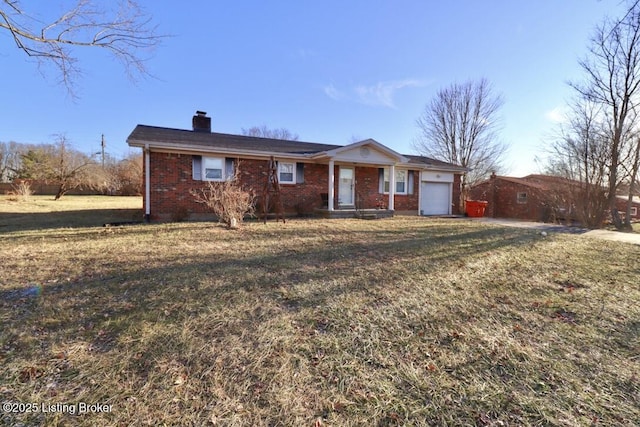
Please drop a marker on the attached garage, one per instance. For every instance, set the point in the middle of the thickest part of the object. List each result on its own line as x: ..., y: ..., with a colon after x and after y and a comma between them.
x: 435, y: 193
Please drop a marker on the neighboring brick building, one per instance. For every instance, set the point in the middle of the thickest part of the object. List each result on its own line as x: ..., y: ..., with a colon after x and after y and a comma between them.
x: 365, y: 175
x: 635, y: 206
x: 541, y: 198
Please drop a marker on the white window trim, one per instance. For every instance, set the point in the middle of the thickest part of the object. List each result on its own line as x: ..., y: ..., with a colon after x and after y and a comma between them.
x: 204, y: 168
x: 634, y: 211
x: 293, y: 175
x: 406, y: 181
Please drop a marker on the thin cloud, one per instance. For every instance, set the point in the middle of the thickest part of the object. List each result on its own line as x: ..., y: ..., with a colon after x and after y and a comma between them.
x: 556, y: 115
x: 333, y: 93
x: 381, y: 94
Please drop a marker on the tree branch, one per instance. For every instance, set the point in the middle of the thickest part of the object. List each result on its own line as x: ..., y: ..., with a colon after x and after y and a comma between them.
x: 125, y: 33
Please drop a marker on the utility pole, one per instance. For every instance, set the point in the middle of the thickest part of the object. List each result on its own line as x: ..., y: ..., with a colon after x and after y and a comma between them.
x: 103, y: 145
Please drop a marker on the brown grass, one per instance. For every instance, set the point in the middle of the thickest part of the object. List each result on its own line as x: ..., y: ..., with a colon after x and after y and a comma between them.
x: 44, y: 212
x: 406, y: 321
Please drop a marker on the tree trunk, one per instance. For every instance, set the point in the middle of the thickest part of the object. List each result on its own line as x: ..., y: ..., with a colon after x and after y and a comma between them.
x: 62, y: 190
x: 632, y: 184
x: 464, y: 190
x: 613, y: 175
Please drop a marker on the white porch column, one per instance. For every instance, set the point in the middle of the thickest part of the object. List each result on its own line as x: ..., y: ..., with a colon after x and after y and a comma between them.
x: 147, y: 184
x: 332, y: 179
x: 392, y: 186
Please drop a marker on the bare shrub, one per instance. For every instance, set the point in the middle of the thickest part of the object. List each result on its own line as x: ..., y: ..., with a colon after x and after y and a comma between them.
x: 21, y: 191
x: 227, y: 200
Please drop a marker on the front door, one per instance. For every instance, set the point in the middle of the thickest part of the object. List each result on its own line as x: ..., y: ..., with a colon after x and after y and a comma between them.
x: 346, y: 187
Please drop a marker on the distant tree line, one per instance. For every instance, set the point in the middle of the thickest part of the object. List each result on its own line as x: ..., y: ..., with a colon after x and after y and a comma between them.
x: 67, y: 168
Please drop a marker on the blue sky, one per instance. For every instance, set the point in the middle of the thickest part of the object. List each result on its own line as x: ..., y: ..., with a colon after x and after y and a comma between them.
x: 330, y: 71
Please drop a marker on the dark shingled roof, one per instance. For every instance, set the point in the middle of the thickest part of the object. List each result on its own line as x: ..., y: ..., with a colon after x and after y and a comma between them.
x: 223, y: 140
x: 177, y: 137
x: 427, y: 160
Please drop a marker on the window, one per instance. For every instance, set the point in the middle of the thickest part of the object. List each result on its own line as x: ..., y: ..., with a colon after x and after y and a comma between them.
x: 634, y: 211
x: 212, y: 168
x: 401, y: 181
x: 521, y: 197
x: 287, y: 172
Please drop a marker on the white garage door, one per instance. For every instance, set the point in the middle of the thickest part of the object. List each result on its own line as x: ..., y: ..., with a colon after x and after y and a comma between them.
x: 435, y: 198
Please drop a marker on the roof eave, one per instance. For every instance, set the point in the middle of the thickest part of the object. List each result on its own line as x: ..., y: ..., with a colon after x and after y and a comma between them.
x: 199, y: 149
x: 455, y: 169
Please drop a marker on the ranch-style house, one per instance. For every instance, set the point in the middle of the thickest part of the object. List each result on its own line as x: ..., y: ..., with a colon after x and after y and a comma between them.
x: 321, y: 179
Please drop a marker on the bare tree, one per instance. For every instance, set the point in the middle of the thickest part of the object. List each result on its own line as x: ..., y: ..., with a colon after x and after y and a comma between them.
x: 460, y: 126
x: 264, y: 132
x: 124, y: 31
x: 122, y: 176
x: 581, y: 154
x: 61, y: 165
x: 612, y: 80
x: 10, y: 153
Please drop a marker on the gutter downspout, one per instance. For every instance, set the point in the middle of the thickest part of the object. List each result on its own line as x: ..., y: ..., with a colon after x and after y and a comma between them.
x: 147, y: 183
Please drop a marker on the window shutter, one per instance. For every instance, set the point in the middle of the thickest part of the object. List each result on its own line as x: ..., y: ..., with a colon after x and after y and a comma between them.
x: 410, y: 182
x: 299, y: 173
x: 228, y: 167
x: 381, y: 180
x: 196, y: 168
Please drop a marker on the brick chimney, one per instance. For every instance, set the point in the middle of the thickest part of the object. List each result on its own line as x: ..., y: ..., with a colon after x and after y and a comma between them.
x: 201, y: 123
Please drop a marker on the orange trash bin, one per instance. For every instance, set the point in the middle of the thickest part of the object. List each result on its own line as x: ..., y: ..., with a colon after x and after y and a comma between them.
x: 476, y: 208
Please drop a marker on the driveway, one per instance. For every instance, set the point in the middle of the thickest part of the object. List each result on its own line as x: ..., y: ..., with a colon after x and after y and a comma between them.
x: 633, y: 238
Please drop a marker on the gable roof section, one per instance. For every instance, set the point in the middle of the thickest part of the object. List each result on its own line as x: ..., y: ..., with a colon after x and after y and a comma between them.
x: 335, y: 152
x: 198, y: 142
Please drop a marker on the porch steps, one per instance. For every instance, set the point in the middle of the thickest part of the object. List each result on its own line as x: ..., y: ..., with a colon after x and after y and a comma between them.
x: 353, y: 213
x: 368, y: 215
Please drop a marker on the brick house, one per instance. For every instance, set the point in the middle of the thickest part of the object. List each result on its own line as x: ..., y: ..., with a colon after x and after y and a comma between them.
x: 542, y: 198
x: 363, y: 175
x: 635, y: 206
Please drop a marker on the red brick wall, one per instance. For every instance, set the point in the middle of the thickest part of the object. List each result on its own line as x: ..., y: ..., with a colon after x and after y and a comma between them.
x: 296, y: 198
x: 502, y: 196
x: 171, y: 180
x: 367, y: 187
x: 483, y: 191
x: 621, y: 204
x: 408, y: 202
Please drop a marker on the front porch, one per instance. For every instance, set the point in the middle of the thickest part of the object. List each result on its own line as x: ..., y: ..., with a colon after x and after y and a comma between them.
x: 354, y: 213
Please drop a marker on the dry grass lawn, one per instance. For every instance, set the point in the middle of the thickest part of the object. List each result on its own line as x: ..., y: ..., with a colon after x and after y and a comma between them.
x: 405, y: 321
x: 43, y: 212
